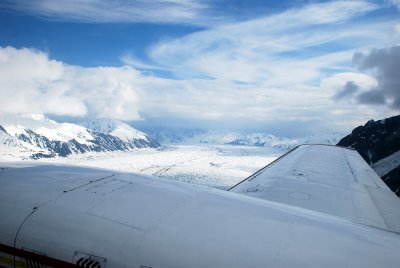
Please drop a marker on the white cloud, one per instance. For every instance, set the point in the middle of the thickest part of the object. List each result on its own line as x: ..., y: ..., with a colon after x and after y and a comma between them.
x: 383, y: 64
x: 395, y: 34
x: 276, y: 68
x: 288, y: 65
x: 101, y: 11
x: 32, y: 83
x: 268, y: 49
x: 335, y: 83
x: 25, y: 76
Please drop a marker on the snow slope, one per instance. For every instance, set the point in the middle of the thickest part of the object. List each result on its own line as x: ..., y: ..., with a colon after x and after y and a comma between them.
x: 212, y: 166
x: 387, y: 164
x: 11, y: 148
x: 18, y: 124
x: 115, y: 128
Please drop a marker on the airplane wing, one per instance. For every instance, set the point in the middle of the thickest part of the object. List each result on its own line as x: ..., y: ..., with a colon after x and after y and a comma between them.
x: 320, y: 207
x: 328, y: 179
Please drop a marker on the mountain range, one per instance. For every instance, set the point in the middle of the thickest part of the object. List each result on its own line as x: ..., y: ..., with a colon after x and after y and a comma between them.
x: 219, y: 137
x: 378, y: 142
x: 35, y: 136
x: 268, y: 140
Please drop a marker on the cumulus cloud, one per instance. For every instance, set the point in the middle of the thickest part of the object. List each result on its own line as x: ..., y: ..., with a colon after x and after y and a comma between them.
x: 33, y: 83
x: 374, y: 97
x: 334, y: 84
x: 348, y: 91
x: 26, y: 77
x: 30, y: 82
x: 384, y: 65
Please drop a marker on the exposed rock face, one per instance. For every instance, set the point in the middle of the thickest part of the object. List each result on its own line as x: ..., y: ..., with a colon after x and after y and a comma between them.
x: 378, y: 142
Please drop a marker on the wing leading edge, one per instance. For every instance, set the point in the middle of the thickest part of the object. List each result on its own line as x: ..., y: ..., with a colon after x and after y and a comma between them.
x: 328, y: 179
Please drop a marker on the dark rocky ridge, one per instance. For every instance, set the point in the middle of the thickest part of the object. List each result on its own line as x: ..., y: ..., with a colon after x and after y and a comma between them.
x: 375, y: 141
x: 2, y: 129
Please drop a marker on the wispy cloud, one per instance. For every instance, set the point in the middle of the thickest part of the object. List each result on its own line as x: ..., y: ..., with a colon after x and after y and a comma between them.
x: 284, y: 62
x: 131, y: 60
x: 265, y: 49
x: 103, y: 11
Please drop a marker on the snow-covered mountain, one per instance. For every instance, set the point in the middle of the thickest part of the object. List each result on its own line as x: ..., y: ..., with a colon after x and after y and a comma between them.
x: 191, y: 136
x: 218, y: 137
x: 378, y: 142
x: 268, y: 140
x: 176, y: 136
x: 11, y: 148
x: 133, y: 137
x: 264, y: 140
x: 35, y: 136
x: 324, y: 137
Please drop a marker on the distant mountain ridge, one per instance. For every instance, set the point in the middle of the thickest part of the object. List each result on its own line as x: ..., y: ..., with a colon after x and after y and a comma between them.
x: 35, y: 136
x: 268, y: 140
x: 264, y: 140
x: 378, y: 142
x: 175, y: 136
x: 203, y: 136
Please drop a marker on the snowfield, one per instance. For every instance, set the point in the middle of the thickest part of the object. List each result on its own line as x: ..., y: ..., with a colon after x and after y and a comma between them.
x: 214, y: 166
x: 387, y: 164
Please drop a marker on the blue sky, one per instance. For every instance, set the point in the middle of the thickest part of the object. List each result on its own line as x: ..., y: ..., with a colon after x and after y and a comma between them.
x: 88, y: 42
x: 282, y: 67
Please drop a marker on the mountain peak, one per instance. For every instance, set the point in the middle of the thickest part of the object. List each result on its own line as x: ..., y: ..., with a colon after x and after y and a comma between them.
x: 28, y: 120
x: 37, y: 117
x: 104, y: 125
x: 115, y: 128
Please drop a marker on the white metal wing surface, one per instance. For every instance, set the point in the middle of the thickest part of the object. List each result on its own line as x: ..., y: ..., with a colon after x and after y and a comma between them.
x: 308, y: 209
x: 327, y: 179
